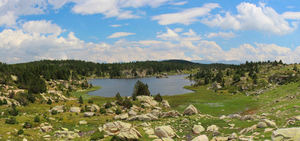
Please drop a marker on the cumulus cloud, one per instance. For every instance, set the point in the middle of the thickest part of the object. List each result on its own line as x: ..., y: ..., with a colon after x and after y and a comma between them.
x: 221, y: 34
x: 120, y: 34
x: 179, y: 3
x: 252, y: 17
x: 291, y: 15
x: 187, y: 16
x: 42, y: 27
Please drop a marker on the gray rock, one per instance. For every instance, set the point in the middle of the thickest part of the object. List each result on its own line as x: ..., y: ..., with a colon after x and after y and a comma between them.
x: 286, y: 134
x: 262, y: 125
x: 164, y: 132
x: 190, y: 110
x: 197, y: 129
x: 75, y: 109
x: 201, y: 138
x: 89, y: 114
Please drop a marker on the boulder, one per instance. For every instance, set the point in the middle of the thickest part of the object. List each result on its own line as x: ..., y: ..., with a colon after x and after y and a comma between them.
x: 143, y: 117
x: 45, y: 127
x: 233, y: 136
x: 121, y: 116
x: 270, y: 123
x: 220, y: 139
x: 197, y: 129
x: 147, y: 100
x: 262, y: 125
x: 75, y: 109
x: 82, y: 122
x: 93, y: 108
x: 89, y: 114
x: 213, y: 128
x: 125, y: 131
x: 172, y: 113
x: 132, y: 113
x: 201, y: 138
x: 249, y: 129
x: 190, y: 110
x: 286, y: 134
x: 130, y: 134
x: 247, y: 117
x: 156, y: 112
x: 165, y: 104
x: 164, y: 132
x: 59, y: 109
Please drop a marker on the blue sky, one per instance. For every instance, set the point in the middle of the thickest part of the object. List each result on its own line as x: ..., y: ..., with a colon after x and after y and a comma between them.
x: 138, y: 30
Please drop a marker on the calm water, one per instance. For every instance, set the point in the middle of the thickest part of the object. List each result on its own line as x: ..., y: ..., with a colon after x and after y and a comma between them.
x: 165, y: 86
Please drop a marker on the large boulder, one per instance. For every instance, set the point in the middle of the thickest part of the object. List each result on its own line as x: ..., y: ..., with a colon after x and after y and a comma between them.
x: 197, y: 129
x: 165, y: 104
x: 201, y: 138
x: 164, y: 132
x: 286, y: 134
x: 262, y: 125
x: 130, y: 134
x: 75, y: 109
x: 190, y: 110
x: 270, y: 123
x: 93, y: 108
x: 124, y: 131
x: 89, y: 114
x: 213, y: 128
x: 121, y: 116
x: 172, y: 113
x: 147, y: 101
x: 46, y: 127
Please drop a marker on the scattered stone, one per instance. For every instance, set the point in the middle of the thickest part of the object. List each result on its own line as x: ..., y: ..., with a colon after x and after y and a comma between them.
x: 123, y: 130
x: 268, y: 130
x: 249, y: 129
x: 143, y: 117
x: 164, y: 132
x: 82, y: 122
x: 197, y: 129
x: 165, y: 104
x: 233, y: 136
x: 220, y: 139
x: 201, y: 138
x: 75, y: 109
x: 213, y: 128
x: 269, y: 123
x: 93, y: 108
x: 46, y: 127
x: 262, y: 125
x: 172, y: 113
x: 148, y: 101
x: 121, y: 116
x: 286, y: 134
x: 59, y: 109
x: 190, y: 110
x: 132, y: 113
x: 89, y: 114
x: 247, y: 117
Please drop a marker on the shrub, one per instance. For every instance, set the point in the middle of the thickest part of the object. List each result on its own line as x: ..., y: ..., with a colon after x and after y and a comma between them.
x: 119, y: 99
x: 102, y: 111
x: 4, y: 102
x: 158, y: 98
x: 20, y: 132
x: 97, y: 135
x: 37, y: 119
x: 11, y: 120
x: 54, y: 112
x: 1, y: 103
x: 118, y: 111
x: 31, y: 97
x: 27, y: 125
x: 115, y: 138
x: 108, y: 105
x: 49, y: 101
x: 13, y: 111
x: 127, y: 103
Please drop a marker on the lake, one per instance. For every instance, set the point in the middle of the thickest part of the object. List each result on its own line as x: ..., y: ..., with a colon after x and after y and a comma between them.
x: 173, y: 85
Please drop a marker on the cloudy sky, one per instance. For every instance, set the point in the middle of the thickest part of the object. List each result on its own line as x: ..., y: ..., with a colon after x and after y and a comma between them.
x: 137, y: 30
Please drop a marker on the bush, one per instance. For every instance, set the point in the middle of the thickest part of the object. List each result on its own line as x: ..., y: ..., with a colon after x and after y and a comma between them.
x: 49, y: 101
x: 115, y: 138
x: 37, y: 119
x: 127, y: 103
x: 13, y: 111
x: 140, y: 89
x: 97, y: 135
x: 80, y: 100
x: 20, y: 132
x: 119, y: 99
x: 108, y: 105
x: 158, y: 98
x: 11, y: 120
x: 118, y: 111
x: 102, y: 111
x: 27, y: 125
x: 54, y: 112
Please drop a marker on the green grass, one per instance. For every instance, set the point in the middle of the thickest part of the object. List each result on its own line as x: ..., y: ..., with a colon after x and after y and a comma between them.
x: 213, y: 103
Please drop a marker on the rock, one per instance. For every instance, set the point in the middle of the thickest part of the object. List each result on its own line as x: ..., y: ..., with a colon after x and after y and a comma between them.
x: 165, y: 104
x: 164, y: 132
x: 93, y: 108
x: 197, y: 129
x: 269, y: 123
x: 268, y: 130
x: 297, y: 118
x: 121, y: 117
x: 172, y: 113
x: 247, y: 117
x: 213, y: 128
x: 45, y: 127
x: 220, y: 139
x: 123, y: 130
x: 147, y: 100
x: 233, y: 136
x: 47, y: 136
x: 236, y: 116
x: 201, y: 138
x: 145, y: 124
x: 143, y: 117
x: 149, y: 131
x: 249, y: 129
x: 130, y: 134
x: 89, y: 114
x: 262, y: 125
x: 286, y: 134
x: 75, y: 109
x: 66, y: 134
x: 156, y: 112
x: 82, y: 122
x: 59, y: 109
x: 132, y: 113
x: 190, y: 110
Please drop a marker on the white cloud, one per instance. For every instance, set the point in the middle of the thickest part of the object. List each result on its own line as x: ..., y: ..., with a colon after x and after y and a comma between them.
x: 221, y: 34
x: 291, y: 15
x: 179, y: 3
x: 169, y: 35
x: 116, y: 25
x: 252, y: 17
x: 187, y: 16
x: 58, y: 3
x: 120, y: 34
x: 42, y: 27
x: 178, y: 29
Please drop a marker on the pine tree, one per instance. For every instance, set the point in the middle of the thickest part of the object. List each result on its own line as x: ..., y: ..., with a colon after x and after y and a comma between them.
x: 80, y: 100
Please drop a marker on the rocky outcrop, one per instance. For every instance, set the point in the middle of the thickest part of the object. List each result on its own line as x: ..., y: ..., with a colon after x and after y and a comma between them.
x: 147, y: 101
x: 46, y: 127
x: 121, y: 116
x: 164, y: 132
x: 144, y: 117
x: 201, y: 138
x: 93, y: 108
x: 165, y: 104
x: 286, y: 134
x: 75, y: 109
x: 190, y: 110
x: 59, y: 109
x: 123, y: 130
x: 270, y: 123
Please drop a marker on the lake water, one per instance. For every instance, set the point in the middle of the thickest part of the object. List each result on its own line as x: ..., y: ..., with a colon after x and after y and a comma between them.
x: 173, y: 85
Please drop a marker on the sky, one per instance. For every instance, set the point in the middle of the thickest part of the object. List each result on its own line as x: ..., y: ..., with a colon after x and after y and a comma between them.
x: 138, y: 30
